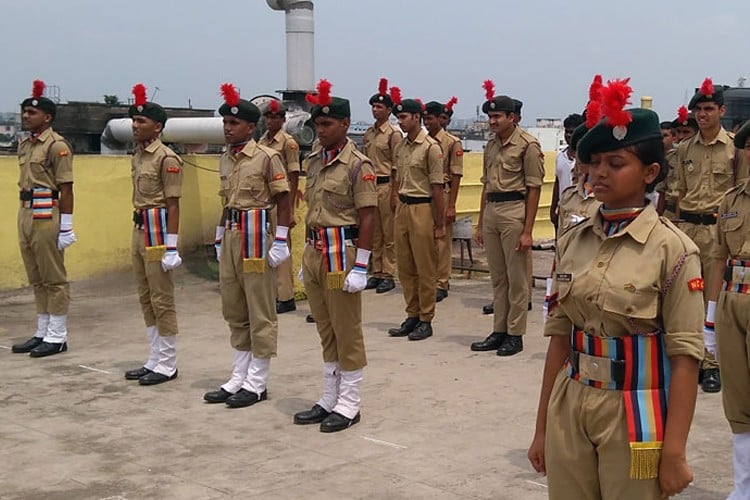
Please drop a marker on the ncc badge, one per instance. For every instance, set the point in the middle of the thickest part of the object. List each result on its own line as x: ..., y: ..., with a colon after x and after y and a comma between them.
x: 695, y: 285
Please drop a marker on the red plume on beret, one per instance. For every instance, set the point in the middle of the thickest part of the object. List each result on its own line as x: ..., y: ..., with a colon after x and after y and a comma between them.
x: 615, y: 96
x: 421, y: 104
x: 383, y: 86
x: 230, y: 94
x: 707, y: 87
x: 489, y: 89
x: 682, y: 114
x: 37, y: 89
x: 323, y: 97
x: 396, y: 95
x: 451, y: 102
x: 273, y: 106
x: 594, y: 107
x: 139, y: 93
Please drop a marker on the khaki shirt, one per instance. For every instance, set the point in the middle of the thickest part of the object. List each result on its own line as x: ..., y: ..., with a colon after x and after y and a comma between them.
x: 286, y: 146
x: 733, y: 234
x: 251, y: 178
x: 336, y: 191
x: 669, y: 186
x: 599, y: 292
x: 453, y: 154
x: 418, y: 164
x: 514, y: 164
x: 575, y: 206
x: 157, y: 175
x: 705, y: 171
x: 45, y: 161
x: 379, y: 143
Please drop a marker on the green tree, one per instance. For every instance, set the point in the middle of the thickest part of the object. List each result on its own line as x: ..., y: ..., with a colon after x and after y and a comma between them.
x: 111, y: 100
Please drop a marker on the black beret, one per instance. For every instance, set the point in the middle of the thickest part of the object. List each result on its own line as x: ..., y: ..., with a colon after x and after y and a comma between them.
x: 280, y: 110
x: 408, y: 106
x: 499, y: 103
x: 337, y: 108
x: 742, y: 135
x: 149, y: 110
x: 41, y: 103
x: 603, y: 138
x: 690, y: 122
x: 579, y: 132
x: 717, y: 97
x: 518, y: 105
x: 434, y: 108
x: 383, y: 99
x: 244, y: 110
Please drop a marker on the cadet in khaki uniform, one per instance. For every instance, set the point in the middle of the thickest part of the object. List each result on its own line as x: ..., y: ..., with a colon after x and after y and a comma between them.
x: 608, y: 424
x: 577, y: 202
x: 418, y: 199
x: 341, y: 200
x: 453, y: 168
x: 380, y: 141
x: 157, y: 185
x: 45, y: 222
x: 667, y: 189
x: 253, y: 184
x: 278, y: 140
x: 731, y: 275
x: 684, y: 127
x: 512, y: 177
x: 706, y: 169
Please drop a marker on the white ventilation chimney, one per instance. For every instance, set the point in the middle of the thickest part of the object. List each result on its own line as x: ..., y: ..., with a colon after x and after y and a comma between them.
x: 300, y: 48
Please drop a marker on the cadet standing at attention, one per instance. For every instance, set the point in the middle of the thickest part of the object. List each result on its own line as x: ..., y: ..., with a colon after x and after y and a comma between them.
x: 45, y: 222
x: 341, y: 200
x: 157, y: 184
x: 253, y: 183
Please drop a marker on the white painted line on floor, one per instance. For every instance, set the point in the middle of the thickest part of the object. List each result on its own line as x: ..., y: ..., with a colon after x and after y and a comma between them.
x: 385, y: 443
x: 94, y: 369
x: 4, y: 347
x: 536, y: 484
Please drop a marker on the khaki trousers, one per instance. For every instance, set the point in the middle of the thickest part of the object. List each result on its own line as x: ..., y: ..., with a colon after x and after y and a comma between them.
x: 445, y: 253
x: 416, y: 258
x: 284, y: 276
x: 248, y: 300
x: 502, y: 227
x: 338, y: 314
x: 44, y: 263
x: 383, y: 250
x: 732, y: 327
x: 155, y: 289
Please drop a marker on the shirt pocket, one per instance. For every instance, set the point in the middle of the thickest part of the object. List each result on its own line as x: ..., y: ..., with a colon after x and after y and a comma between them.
x: 149, y: 184
x: 336, y: 194
x: 722, y: 175
x: 734, y: 235
x: 252, y: 188
x: 633, y: 302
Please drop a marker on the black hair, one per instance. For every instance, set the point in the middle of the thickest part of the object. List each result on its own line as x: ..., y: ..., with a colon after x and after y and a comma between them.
x: 651, y: 151
x: 573, y: 120
x: 666, y: 126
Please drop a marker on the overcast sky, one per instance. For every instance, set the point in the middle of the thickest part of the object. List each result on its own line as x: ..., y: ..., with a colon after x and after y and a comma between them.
x: 540, y: 51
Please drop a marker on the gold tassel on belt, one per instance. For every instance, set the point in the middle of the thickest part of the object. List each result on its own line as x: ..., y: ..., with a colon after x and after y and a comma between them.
x: 155, y: 253
x: 644, y: 460
x: 335, y: 280
x: 253, y: 265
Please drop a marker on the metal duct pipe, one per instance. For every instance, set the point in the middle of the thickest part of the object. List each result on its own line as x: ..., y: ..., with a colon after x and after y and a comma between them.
x: 300, y: 39
x: 119, y: 132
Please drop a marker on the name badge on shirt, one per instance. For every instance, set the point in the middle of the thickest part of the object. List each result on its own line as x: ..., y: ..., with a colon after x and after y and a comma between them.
x: 730, y: 215
x: 564, y: 277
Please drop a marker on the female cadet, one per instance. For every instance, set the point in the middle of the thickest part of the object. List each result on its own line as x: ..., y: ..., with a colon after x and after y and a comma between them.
x: 624, y: 345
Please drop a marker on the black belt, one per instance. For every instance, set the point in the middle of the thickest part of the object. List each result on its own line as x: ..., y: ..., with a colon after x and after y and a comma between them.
x: 350, y: 233
x: 670, y: 206
x: 29, y: 195
x: 618, y: 367
x: 413, y: 200
x: 509, y: 196
x: 382, y: 179
x: 703, y: 219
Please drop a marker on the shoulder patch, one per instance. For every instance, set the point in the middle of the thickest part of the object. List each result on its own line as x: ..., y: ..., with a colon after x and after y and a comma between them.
x: 369, y: 177
x: 293, y: 145
x: 460, y: 152
x: 63, y: 153
x: 174, y: 169
x: 278, y: 177
x: 695, y: 285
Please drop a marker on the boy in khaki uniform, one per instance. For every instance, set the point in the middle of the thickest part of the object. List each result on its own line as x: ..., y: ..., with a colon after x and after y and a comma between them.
x: 157, y: 184
x: 512, y: 178
x: 731, y: 274
x: 669, y: 190
x: 341, y: 200
x: 453, y: 165
x: 417, y: 188
x: 380, y: 141
x: 253, y: 184
x: 278, y: 140
x: 45, y: 222
x: 577, y: 202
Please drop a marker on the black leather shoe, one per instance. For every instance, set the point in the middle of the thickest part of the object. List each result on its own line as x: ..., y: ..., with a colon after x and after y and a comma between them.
x: 372, y: 282
x: 386, y: 285
x: 314, y: 415
x: 245, y: 398
x: 711, y: 380
x: 513, y: 344
x: 219, y: 396
x: 488, y: 309
x: 530, y: 306
x: 48, y: 349
x: 309, y: 318
x: 405, y: 329
x: 137, y: 373
x: 440, y: 295
x: 492, y: 343
x: 422, y: 331
x: 337, y: 422
x: 154, y: 378
x: 27, y: 346
x: 285, y: 306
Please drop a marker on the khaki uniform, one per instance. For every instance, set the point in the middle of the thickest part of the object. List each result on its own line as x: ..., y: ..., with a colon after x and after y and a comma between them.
x: 453, y: 164
x: 418, y: 165
x: 249, y: 181
x: 733, y: 307
x: 587, y: 449
x: 289, y: 150
x: 670, y: 189
x: 45, y: 162
x: 157, y: 175
x: 335, y: 192
x: 379, y: 143
x: 509, y: 167
x: 575, y: 206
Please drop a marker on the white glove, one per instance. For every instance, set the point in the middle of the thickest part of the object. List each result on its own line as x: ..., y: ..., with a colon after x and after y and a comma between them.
x: 279, y: 250
x: 709, y: 331
x: 66, y: 236
x: 171, y: 257
x: 217, y: 242
x: 356, y: 280
x: 300, y: 274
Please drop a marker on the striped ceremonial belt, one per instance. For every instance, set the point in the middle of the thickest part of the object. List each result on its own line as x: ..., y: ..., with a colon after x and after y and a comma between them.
x: 155, y: 232
x: 737, y: 276
x: 253, y: 228
x: 639, y: 367
x: 334, y: 255
x: 42, y: 203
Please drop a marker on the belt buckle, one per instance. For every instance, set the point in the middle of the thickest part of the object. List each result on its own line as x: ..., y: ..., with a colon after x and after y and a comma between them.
x: 595, y: 368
